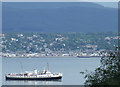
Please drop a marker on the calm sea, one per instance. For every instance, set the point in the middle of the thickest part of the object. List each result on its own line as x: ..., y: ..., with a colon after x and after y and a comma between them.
x: 70, y: 67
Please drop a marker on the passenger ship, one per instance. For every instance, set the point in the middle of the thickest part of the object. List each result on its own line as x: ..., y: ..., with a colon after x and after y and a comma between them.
x: 35, y: 75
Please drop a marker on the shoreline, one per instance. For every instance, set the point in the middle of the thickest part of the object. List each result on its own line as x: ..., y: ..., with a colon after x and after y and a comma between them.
x: 58, y: 57
x: 45, y: 57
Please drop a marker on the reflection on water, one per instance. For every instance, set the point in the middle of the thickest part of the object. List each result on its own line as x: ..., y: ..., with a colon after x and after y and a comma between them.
x: 70, y: 67
x: 34, y: 82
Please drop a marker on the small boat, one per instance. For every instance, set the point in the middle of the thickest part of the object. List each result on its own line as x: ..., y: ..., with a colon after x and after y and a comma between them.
x: 35, y: 75
x: 88, y: 56
x: 83, y: 56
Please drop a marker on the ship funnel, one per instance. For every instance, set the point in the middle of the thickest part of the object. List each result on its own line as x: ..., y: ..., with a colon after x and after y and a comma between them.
x: 35, y: 71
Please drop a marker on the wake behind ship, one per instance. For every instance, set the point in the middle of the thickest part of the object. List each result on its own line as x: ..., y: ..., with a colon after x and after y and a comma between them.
x: 35, y: 75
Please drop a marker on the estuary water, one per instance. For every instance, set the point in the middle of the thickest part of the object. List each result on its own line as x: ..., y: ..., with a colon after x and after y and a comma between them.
x: 70, y: 67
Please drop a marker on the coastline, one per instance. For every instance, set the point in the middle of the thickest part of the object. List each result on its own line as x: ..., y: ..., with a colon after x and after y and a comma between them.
x: 45, y: 57
x: 57, y: 57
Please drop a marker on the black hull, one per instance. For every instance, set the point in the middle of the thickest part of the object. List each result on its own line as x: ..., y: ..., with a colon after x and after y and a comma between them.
x: 46, y: 79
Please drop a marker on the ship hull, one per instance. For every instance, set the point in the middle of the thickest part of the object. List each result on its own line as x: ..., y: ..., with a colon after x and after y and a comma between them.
x: 47, y: 78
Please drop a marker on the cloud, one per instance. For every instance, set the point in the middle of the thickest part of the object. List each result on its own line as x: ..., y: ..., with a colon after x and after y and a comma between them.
x: 60, y: 0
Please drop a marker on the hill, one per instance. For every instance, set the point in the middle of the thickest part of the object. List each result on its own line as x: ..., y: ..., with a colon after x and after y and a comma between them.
x: 58, y: 17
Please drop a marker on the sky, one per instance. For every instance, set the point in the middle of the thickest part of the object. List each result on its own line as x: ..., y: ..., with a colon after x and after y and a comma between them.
x: 106, y: 3
x: 109, y: 4
x: 66, y: 0
x: 60, y: 0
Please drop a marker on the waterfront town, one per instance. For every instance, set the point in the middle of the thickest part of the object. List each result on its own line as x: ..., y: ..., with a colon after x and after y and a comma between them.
x: 20, y: 45
x: 52, y: 54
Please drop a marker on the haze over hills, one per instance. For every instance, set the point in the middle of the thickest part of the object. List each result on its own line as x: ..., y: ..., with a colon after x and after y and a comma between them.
x: 58, y: 17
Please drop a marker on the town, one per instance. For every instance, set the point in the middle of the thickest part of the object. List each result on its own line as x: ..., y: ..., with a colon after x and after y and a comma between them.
x: 73, y: 44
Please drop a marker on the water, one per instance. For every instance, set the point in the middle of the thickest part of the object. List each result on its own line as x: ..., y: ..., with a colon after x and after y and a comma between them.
x: 70, y: 67
x: 0, y: 71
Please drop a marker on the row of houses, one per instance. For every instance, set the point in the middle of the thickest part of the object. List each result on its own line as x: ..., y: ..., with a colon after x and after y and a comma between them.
x: 13, y: 55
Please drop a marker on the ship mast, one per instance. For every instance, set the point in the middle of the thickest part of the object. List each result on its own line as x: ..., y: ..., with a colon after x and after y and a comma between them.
x: 48, y: 66
x: 21, y: 67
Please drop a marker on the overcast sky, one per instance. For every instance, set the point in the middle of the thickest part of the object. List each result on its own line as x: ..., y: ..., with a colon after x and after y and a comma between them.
x: 112, y: 3
x: 67, y: 0
x: 109, y: 4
